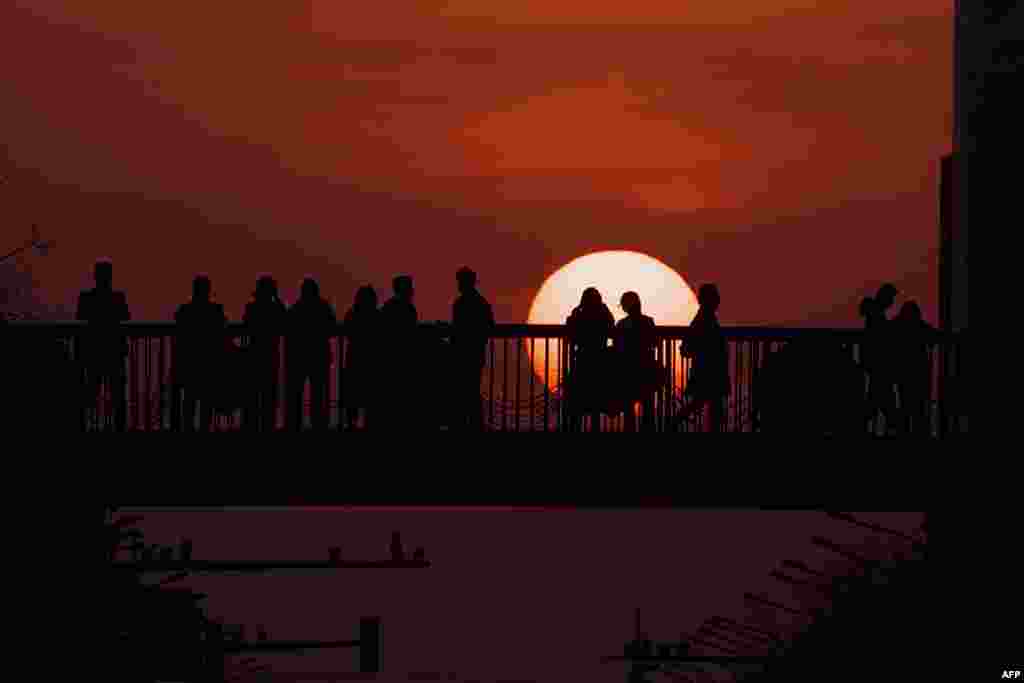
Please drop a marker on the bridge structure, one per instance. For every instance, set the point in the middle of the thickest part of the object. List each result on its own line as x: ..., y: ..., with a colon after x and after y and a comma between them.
x: 523, y: 382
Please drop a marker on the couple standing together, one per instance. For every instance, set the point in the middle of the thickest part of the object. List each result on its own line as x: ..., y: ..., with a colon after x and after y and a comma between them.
x: 615, y: 381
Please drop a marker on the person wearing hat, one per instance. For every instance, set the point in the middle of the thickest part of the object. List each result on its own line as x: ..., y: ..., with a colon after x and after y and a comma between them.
x: 265, y: 318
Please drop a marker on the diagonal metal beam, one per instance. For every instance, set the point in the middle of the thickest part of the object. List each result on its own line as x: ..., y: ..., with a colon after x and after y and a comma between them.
x: 747, y: 638
x: 843, y: 551
x: 823, y: 590
x: 754, y: 630
x: 793, y: 564
x: 707, y: 631
x: 850, y: 519
x: 777, y: 605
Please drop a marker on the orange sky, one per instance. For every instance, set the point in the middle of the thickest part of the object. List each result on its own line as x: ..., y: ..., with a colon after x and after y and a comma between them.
x: 787, y: 149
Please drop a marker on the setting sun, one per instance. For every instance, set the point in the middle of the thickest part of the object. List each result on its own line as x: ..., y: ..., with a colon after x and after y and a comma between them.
x: 665, y: 294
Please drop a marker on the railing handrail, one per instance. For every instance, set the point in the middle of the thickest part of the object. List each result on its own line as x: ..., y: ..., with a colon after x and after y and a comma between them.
x: 141, y: 328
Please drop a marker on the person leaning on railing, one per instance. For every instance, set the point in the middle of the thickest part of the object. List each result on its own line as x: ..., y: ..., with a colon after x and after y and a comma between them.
x: 265, y: 319
x: 472, y: 325
x: 706, y: 346
x: 103, y: 348
x: 591, y: 364
x: 199, y: 353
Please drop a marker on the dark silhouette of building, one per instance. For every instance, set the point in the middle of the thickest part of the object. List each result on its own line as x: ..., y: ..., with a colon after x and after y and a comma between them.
x: 103, y: 349
x: 472, y: 325
x: 947, y: 220
x: 311, y: 324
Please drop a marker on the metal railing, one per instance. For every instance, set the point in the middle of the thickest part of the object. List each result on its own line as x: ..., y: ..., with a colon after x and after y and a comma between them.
x: 522, y: 387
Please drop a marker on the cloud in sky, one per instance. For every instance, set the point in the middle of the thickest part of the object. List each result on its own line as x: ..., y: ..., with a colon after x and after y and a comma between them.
x: 525, y: 121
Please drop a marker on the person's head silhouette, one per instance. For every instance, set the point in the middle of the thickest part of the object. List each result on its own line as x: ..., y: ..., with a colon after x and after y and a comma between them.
x: 911, y: 312
x: 466, y: 279
x: 201, y: 288
x: 886, y: 296
x: 103, y: 273
x: 630, y: 303
x: 366, y: 298
x: 310, y: 290
x: 402, y: 286
x: 266, y: 289
x: 708, y: 297
x: 591, y: 297
x: 867, y: 306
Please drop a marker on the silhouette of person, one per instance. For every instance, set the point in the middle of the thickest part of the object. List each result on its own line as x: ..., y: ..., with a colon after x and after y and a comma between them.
x: 265, y: 316
x: 363, y: 330
x: 708, y: 385
x: 588, y: 327
x: 103, y: 348
x: 878, y: 354
x: 198, y: 351
x: 635, y: 346
x: 913, y: 368
x: 400, y: 325
x: 472, y: 326
x: 311, y: 324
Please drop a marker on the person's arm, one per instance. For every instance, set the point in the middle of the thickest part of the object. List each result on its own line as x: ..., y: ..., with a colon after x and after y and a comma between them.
x: 456, y: 314
x: 80, y: 309
x: 124, y: 313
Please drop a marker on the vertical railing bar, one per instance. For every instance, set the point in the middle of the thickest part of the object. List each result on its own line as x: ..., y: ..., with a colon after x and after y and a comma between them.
x: 562, y: 371
x: 148, y: 381
x: 132, y: 417
x: 519, y: 377
x: 742, y: 386
x: 161, y: 377
x: 670, y: 406
x: 490, y: 393
x: 504, y: 384
x: 340, y: 381
x: 533, y: 351
x: 547, y: 383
